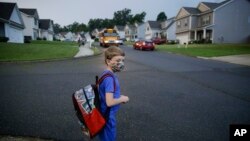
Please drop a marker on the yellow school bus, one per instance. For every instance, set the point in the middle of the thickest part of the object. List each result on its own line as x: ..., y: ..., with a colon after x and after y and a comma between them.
x: 109, y: 37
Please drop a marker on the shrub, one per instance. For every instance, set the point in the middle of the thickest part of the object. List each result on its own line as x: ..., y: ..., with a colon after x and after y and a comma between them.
x: 27, y: 39
x: 38, y: 38
x: 4, y: 39
x: 44, y: 38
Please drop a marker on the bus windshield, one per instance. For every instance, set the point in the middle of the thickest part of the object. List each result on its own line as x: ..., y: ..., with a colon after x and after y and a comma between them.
x: 110, y: 34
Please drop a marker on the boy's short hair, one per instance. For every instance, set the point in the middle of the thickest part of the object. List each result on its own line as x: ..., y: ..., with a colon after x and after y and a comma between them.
x: 112, y: 52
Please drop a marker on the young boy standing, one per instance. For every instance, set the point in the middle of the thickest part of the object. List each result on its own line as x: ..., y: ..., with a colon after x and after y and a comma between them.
x: 109, y: 91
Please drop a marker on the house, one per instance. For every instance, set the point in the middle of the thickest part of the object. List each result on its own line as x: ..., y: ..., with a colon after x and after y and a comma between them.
x: 141, y: 30
x: 31, y: 19
x: 153, y: 29
x: 168, y: 29
x: 130, y: 32
x: 46, y: 29
x: 11, y: 22
x: 225, y: 22
x: 120, y: 31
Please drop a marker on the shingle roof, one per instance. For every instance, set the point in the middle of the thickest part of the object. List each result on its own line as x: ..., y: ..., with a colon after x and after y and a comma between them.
x: 120, y: 27
x: 6, y: 10
x: 30, y: 12
x: 44, y: 23
x: 154, y: 24
x: 192, y: 10
x: 212, y: 5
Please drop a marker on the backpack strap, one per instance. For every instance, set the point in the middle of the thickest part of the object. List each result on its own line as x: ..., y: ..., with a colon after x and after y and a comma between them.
x: 98, y: 82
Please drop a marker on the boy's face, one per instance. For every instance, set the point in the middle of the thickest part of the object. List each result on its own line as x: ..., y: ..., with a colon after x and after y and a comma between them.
x: 116, y: 63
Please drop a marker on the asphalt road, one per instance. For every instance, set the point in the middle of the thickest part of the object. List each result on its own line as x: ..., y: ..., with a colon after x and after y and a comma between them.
x: 172, y: 97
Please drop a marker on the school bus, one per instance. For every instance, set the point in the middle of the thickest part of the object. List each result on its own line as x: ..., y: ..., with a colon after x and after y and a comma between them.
x: 109, y: 37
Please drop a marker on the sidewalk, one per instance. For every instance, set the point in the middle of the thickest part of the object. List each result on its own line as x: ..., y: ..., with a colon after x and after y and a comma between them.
x: 84, y: 51
x: 235, y: 59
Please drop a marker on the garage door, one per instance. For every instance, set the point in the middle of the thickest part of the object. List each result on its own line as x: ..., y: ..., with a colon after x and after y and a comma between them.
x: 182, y: 37
x: 15, y: 35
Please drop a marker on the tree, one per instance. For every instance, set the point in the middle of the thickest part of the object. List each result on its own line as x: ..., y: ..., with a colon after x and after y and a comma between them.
x: 138, y: 18
x: 161, y: 17
x: 57, y: 28
x: 122, y: 17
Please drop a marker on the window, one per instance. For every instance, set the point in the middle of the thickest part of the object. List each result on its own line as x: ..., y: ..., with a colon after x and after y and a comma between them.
x: 148, y: 29
x: 179, y: 24
x: 205, y: 20
x: 186, y: 22
x: 35, y: 21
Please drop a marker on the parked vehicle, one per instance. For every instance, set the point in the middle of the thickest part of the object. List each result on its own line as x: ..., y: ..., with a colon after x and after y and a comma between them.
x: 108, y: 37
x: 120, y: 42
x: 159, y: 41
x: 144, y: 45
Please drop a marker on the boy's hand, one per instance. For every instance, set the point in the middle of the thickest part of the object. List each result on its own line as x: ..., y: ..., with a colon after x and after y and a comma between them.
x: 124, y: 99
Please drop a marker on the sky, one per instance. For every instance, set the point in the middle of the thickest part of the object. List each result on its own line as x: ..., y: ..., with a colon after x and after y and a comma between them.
x: 65, y: 12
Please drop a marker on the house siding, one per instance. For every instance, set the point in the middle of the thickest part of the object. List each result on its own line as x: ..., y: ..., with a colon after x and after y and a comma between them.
x: 28, y: 31
x: 231, y: 22
x: 141, y: 30
x: 171, y: 32
x: 182, y: 25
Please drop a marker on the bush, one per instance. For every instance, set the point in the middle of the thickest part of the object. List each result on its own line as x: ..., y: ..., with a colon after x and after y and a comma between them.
x: 4, y: 39
x: 38, y: 38
x: 96, y: 40
x: 44, y: 38
x: 27, y: 39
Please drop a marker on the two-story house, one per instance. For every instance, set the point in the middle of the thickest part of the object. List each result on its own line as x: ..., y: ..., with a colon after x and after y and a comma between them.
x: 46, y: 29
x: 120, y: 31
x: 31, y: 21
x: 130, y: 32
x: 225, y: 22
x: 168, y: 29
x: 153, y: 29
x: 11, y: 22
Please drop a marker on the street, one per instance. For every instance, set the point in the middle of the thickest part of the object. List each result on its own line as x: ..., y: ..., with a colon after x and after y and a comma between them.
x: 172, y: 97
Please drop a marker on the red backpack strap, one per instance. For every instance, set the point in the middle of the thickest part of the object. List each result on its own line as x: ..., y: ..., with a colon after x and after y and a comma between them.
x: 105, y: 76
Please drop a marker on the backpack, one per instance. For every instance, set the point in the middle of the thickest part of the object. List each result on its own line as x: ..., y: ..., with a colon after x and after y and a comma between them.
x: 87, y: 107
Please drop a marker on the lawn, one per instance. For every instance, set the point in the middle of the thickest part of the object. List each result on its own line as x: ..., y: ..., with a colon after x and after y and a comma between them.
x: 37, y: 50
x: 207, y: 50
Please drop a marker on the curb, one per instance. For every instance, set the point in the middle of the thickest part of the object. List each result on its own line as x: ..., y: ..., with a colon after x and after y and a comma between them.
x: 49, y: 60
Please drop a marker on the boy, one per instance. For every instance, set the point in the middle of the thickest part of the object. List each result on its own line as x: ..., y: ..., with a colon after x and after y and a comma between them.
x: 110, y: 92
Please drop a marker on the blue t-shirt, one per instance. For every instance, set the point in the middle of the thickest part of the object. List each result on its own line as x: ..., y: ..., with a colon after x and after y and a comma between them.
x: 107, y: 86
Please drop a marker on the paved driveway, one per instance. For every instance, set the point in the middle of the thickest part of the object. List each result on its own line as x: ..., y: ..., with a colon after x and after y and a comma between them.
x: 172, y: 97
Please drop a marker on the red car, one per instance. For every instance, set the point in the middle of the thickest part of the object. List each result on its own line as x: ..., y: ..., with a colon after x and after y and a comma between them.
x: 158, y: 41
x: 144, y: 45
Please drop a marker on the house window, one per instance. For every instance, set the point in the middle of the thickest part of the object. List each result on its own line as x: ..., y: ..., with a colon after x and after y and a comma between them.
x: 205, y: 20
x: 148, y: 29
x: 186, y: 23
x: 179, y: 24
x: 35, y: 21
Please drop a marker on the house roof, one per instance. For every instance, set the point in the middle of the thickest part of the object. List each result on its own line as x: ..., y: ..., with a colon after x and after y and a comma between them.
x: 44, y: 23
x: 6, y: 10
x: 154, y: 24
x: 212, y: 5
x: 30, y: 12
x: 192, y: 10
x: 120, y: 27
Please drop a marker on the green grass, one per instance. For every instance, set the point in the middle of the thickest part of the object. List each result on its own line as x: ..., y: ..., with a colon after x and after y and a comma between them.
x: 207, y: 50
x: 37, y: 50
